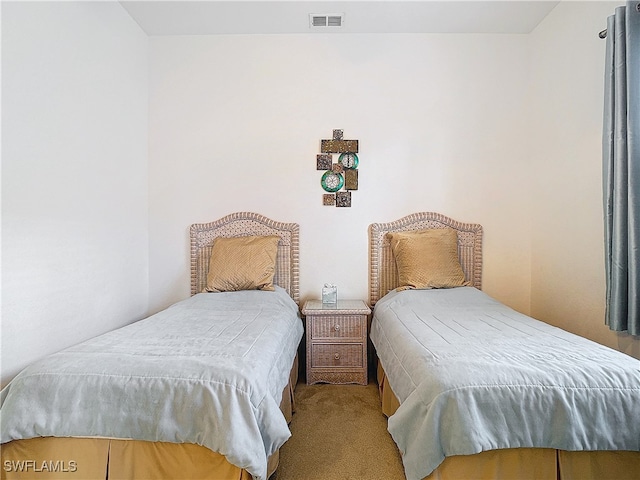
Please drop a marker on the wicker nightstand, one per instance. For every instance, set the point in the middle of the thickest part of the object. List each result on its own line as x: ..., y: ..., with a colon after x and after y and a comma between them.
x: 336, y: 341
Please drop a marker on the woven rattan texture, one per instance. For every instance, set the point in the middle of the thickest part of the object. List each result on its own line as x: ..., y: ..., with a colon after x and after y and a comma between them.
x: 383, y: 274
x: 337, y: 378
x: 336, y: 342
x: 337, y: 355
x: 348, y: 326
x: 241, y: 224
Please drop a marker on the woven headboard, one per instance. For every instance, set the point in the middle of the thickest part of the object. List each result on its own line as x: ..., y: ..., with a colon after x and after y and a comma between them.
x: 383, y: 275
x: 244, y: 224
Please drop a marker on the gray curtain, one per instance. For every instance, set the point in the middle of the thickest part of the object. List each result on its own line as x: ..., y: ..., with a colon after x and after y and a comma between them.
x: 621, y: 169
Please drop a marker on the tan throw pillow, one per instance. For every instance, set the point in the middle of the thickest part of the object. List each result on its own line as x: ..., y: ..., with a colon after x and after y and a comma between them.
x: 427, y: 259
x: 242, y: 263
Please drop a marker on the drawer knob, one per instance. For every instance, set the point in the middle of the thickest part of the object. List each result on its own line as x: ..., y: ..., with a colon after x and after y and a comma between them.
x: 336, y: 327
x: 336, y: 356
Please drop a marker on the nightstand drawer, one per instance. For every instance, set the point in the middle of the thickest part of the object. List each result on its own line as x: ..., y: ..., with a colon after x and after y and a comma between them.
x: 337, y: 355
x: 343, y: 326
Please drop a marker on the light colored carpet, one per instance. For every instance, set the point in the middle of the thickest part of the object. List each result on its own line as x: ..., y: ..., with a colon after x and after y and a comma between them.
x: 339, y: 432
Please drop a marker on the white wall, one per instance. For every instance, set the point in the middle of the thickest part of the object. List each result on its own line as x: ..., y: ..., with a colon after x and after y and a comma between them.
x: 74, y: 175
x: 568, y: 283
x: 236, y: 123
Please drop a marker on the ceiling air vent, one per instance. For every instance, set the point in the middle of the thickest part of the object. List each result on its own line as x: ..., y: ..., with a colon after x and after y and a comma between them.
x: 320, y: 20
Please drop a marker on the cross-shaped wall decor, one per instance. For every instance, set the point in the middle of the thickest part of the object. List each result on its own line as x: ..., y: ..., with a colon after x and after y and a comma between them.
x: 339, y: 178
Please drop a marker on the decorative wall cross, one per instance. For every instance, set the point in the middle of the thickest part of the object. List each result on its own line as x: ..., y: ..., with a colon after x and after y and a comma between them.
x: 339, y: 178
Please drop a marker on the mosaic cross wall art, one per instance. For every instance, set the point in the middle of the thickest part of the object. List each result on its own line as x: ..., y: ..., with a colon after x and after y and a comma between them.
x: 341, y: 177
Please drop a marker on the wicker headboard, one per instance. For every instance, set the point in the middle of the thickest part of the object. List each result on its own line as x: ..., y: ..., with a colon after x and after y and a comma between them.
x: 383, y: 275
x: 244, y: 224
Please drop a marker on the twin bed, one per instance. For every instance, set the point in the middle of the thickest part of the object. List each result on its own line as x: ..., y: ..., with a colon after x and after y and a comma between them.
x: 204, y: 389
x: 475, y: 390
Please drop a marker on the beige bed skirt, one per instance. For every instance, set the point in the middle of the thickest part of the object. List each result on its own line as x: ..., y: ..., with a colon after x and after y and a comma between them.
x: 526, y: 463
x: 48, y: 458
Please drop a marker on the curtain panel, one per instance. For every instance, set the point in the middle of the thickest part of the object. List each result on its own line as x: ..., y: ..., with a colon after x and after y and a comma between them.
x: 621, y: 169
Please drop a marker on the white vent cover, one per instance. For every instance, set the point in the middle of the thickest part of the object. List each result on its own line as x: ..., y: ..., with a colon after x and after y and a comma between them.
x: 322, y: 20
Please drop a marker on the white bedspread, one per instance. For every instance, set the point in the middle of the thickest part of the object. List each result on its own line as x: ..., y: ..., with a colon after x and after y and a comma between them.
x: 472, y: 374
x: 208, y: 370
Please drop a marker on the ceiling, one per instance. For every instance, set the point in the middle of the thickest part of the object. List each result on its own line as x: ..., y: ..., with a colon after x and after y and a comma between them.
x: 211, y: 17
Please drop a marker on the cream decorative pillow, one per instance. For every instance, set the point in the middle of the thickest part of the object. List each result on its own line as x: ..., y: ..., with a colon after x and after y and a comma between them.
x: 242, y: 263
x: 427, y: 259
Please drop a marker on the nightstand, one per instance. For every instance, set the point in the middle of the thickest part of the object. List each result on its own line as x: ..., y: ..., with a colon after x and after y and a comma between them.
x: 336, y: 341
